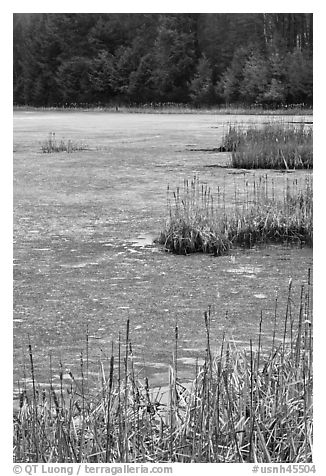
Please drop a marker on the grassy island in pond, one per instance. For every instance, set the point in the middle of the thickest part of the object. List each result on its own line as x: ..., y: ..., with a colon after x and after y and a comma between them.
x: 273, y: 146
x: 202, y: 222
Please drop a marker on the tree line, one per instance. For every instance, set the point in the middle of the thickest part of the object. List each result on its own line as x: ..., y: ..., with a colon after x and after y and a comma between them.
x: 189, y: 58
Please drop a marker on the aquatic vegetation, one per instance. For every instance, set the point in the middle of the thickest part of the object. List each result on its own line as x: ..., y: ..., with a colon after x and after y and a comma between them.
x: 273, y: 146
x: 245, y: 405
x: 198, y: 222
x: 51, y: 144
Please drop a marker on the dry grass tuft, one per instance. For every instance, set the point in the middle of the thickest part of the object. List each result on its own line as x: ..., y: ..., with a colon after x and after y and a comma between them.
x: 51, y: 144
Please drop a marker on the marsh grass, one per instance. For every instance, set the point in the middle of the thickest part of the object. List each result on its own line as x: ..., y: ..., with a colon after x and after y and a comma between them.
x: 51, y: 144
x: 244, y: 405
x: 199, y: 221
x: 274, y: 146
x: 177, y: 108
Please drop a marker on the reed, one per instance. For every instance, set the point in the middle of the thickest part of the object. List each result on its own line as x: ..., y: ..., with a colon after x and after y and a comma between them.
x: 273, y: 146
x: 51, y: 144
x: 245, y: 405
x: 199, y: 221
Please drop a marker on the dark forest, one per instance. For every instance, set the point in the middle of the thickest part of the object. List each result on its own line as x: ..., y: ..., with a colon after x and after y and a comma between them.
x: 71, y: 60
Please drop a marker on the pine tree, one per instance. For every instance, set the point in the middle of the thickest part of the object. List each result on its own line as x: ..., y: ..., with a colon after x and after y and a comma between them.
x: 256, y: 74
x: 201, y: 86
x: 299, y: 77
x: 174, y: 57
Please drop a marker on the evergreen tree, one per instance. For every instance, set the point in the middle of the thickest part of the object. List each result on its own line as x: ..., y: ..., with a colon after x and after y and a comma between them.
x: 39, y: 60
x: 141, y: 83
x: 174, y: 57
x: 299, y: 77
x: 102, y: 76
x: 256, y: 74
x: 275, y: 93
x: 201, y: 86
x: 73, y: 80
x: 20, y: 27
x: 230, y: 84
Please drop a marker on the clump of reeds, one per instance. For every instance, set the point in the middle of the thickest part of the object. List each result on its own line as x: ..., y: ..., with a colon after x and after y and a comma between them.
x: 51, y: 144
x: 192, y: 222
x: 251, y: 405
x: 198, y: 222
x: 273, y: 146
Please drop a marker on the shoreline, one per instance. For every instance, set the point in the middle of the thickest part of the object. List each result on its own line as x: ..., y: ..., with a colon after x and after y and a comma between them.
x: 172, y: 110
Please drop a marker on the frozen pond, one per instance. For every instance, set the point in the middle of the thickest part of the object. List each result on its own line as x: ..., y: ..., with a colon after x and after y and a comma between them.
x: 83, y: 253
